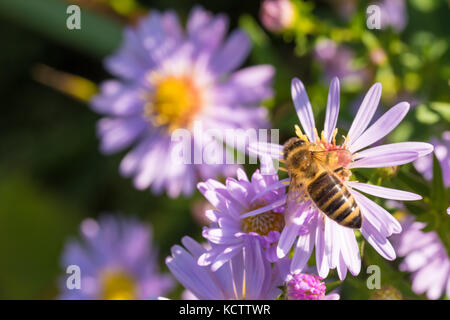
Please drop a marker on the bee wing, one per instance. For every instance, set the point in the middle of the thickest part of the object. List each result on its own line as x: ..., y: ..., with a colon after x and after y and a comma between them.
x: 296, y: 190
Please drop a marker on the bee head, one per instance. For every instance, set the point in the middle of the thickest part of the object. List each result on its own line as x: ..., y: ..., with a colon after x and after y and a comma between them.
x: 291, y: 145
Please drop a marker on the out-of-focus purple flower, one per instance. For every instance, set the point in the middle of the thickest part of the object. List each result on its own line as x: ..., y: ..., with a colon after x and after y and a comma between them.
x: 116, y: 261
x: 425, y: 257
x: 169, y: 79
x: 345, y: 8
x: 336, y: 246
x: 262, y: 198
x: 248, y: 275
x: 337, y: 61
x: 393, y: 14
x: 277, y: 15
x: 442, y: 151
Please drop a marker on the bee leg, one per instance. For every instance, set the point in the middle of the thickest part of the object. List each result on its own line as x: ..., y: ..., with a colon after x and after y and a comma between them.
x: 344, y: 173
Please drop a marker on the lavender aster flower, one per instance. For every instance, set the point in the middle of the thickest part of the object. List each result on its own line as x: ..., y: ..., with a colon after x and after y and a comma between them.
x: 116, y: 261
x: 248, y: 275
x: 337, y: 61
x: 169, y: 79
x: 425, y: 257
x: 442, y: 151
x: 336, y: 246
x: 231, y: 228
x: 393, y: 14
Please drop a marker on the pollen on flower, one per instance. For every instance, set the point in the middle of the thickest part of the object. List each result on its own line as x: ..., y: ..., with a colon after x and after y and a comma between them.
x: 117, y: 285
x: 338, y: 155
x: 264, y: 222
x: 303, y: 286
x: 174, y: 102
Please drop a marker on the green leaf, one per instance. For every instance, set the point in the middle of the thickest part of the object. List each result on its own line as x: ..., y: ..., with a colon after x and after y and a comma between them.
x: 332, y: 285
x: 98, y: 35
x: 443, y: 108
x: 425, y: 115
x: 438, y: 198
x: 409, y: 181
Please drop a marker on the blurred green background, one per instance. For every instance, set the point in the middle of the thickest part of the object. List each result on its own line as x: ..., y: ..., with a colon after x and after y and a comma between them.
x: 51, y: 173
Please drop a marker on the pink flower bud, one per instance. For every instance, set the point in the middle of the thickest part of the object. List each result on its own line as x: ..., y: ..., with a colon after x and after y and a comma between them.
x: 277, y: 15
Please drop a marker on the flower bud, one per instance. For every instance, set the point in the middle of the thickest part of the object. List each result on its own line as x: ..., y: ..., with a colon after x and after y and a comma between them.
x: 277, y: 15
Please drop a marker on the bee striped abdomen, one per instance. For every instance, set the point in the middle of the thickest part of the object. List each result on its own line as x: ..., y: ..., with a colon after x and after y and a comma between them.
x: 332, y: 198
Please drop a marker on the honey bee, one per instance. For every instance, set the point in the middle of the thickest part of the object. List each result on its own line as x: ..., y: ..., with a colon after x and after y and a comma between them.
x: 318, y: 174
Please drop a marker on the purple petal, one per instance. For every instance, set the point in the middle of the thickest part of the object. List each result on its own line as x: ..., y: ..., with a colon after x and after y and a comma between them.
x: 332, y: 109
x: 286, y: 240
x: 272, y: 150
x: 131, y: 161
x: 332, y: 296
x: 193, y: 246
x: 303, y: 251
x: 350, y: 250
x: 205, y: 30
x: 278, y: 185
x: 255, y: 271
x: 117, y: 99
x: 233, y: 53
x: 365, y: 113
x: 250, y: 85
x: 198, y: 280
x: 385, y: 159
x: 198, y: 18
x: 383, y: 192
x: 220, y: 236
x: 341, y: 268
x: 118, y: 133
x: 131, y: 60
x: 225, y: 256
x: 321, y: 254
x: 422, y: 148
x: 379, y: 217
x: 381, y: 127
x: 382, y: 246
x: 266, y: 208
x: 241, y: 175
x: 237, y: 191
x: 303, y: 108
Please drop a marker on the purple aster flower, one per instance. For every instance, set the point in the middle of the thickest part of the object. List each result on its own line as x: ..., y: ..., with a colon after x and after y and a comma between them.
x: 337, y: 61
x: 169, y: 79
x: 230, y: 229
x: 248, y: 275
x: 116, y: 261
x: 442, y: 151
x: 336, y: 246
x: 425, y: 257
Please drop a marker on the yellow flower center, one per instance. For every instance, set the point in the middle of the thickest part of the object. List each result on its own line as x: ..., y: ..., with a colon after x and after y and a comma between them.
x: 174, y: 102
x: 118, y: 285
x: 263, y: 223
